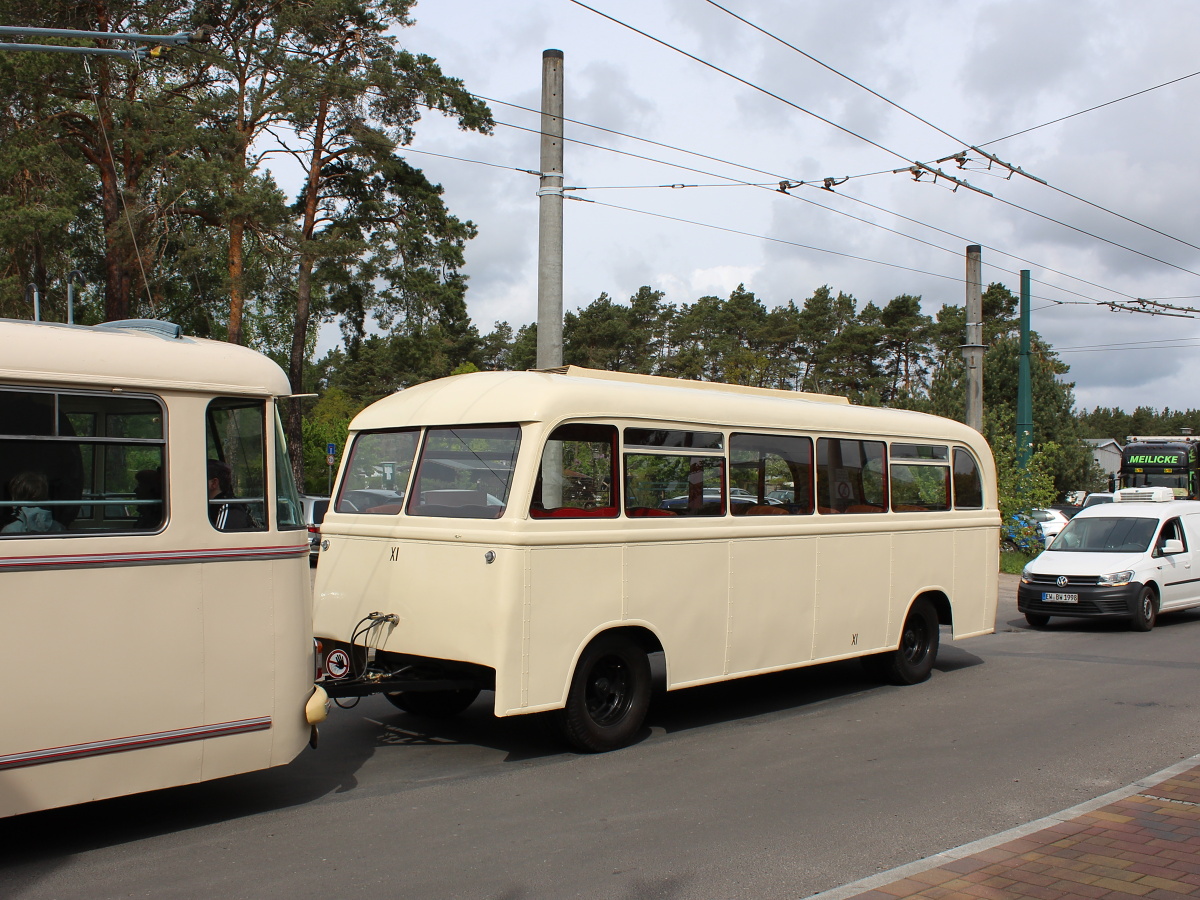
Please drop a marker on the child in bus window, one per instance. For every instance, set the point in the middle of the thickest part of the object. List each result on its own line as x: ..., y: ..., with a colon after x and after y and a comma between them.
x: 31, y: 486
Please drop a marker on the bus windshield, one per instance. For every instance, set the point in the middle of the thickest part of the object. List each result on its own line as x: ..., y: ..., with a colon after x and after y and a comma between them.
x: 1107, y: 535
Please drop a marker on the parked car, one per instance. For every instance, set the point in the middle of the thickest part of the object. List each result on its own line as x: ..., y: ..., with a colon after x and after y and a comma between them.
x: 1021, y: 532
x: 364, y: 499
x: 1050, y: 523
x: 1129, y: 558
x: 1096, y: 497
x: 313, y: 510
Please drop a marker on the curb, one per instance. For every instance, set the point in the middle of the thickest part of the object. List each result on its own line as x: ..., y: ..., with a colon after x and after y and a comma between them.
x: 872, y: 882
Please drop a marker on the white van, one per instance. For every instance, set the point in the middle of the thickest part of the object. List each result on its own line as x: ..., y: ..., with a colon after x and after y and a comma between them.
x: 1132, y: 558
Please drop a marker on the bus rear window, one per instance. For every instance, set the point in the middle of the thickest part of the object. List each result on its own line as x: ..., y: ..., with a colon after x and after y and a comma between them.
x: 465, y: 472
x: 377, y: 472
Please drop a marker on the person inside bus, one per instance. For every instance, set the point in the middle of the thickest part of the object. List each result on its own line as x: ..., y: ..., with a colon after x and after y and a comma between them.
x: 149, y: 488
x: 31, y: 486
x: 224, y: 516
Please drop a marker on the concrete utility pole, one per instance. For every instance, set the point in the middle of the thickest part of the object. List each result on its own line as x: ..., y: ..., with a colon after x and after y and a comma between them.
x: 1024, y: 383
x: 973, y: 348
x: 550, y: 215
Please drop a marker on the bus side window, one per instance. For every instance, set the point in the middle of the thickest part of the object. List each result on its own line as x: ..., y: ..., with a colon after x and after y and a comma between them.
x: 80, y: 463
x: 851, y: 477
x: 968, y: 487
x: 920, y: 478
x: 577, y: 473
x: 668, y: 484
x: 771, y: 474
x: 235, y: 476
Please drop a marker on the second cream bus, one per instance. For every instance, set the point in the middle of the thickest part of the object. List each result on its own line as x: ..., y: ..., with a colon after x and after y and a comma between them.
x: 538, y: 534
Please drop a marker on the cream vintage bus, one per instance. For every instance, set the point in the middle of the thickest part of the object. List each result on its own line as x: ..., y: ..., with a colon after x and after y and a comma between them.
x: 154, y: 582
x: 539, y: 533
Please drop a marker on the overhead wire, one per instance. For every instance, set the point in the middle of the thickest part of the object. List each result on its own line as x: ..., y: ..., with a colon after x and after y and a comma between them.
x: 954, y: 138
x: 738, y: 182
x: 765, y: 172
x: 919, y: 165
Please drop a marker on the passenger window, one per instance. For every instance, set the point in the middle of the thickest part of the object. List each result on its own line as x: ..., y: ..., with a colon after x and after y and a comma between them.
x: 669, y: 485
x: 919, y: 486
x: 770, y: 475
x: 968, y: 486
x: 1172, y: 530
x: 235, y: 476
x: 850, y: 476
x: 577, y: 473
x: 78, y: 463
x: 465, y: 472
x: 376, y: 474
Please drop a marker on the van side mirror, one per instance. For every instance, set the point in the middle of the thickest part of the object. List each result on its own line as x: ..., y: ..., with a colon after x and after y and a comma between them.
x: 1172, y: 546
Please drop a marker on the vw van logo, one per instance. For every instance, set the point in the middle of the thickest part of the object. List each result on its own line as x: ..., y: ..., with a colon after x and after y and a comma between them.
x: 1062, y: 581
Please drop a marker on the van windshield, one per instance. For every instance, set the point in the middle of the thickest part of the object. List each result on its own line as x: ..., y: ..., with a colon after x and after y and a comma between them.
x: 1106, y: 535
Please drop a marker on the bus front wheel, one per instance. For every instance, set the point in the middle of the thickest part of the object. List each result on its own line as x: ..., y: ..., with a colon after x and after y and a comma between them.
x: 609, y: 695
x: 434, y: 704
x: 912, y: 661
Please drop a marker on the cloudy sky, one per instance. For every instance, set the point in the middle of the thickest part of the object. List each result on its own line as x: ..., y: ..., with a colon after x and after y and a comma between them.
x: 977, y: 70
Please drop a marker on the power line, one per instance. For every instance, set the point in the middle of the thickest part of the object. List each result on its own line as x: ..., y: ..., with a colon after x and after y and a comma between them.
x: 918, y: 167
x: 764, y: 237
x: 1089, y: 109
x: 828, y: 182
x: 911, y: 162
x: 1157, y: 343
x: 782, y: 188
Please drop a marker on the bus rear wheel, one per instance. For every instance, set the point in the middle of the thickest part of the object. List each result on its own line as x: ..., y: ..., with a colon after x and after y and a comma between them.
x: 609, y: 695
x: 912, y: 661
x: 434, y: 704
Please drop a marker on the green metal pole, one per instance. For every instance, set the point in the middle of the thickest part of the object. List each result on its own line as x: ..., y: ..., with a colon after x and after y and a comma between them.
x: 1024, y: 388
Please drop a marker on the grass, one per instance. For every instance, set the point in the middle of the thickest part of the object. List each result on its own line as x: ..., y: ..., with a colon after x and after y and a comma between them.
x: 1013, y: 561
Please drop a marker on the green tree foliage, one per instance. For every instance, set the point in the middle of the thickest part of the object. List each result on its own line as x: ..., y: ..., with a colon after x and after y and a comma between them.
x: 327, y: 422
x: 1107, y: 422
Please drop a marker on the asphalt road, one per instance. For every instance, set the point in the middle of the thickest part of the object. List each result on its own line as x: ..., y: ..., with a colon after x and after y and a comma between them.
x: 772, y: 787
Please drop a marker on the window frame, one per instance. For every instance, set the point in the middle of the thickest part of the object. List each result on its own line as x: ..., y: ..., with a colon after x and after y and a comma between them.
x: 94, y: 506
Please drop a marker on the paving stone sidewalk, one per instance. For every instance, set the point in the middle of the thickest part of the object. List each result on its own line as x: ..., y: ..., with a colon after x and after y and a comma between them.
x: 1140, y: 842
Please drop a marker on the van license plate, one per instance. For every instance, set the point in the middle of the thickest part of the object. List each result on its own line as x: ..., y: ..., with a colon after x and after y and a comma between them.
x: 1060, y: 598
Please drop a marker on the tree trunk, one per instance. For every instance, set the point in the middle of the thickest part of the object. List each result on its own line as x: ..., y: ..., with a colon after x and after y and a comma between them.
x: 237, y: 297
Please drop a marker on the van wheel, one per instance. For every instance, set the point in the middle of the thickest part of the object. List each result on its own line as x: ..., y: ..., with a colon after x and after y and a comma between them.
x: 434, y: 704
x: 608, y: 697
x: 1146, y: 613
x: 1037, y: 620
x: 912, y: 661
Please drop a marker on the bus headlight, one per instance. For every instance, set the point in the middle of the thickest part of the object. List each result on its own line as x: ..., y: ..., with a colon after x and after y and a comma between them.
x: 1116, y: 579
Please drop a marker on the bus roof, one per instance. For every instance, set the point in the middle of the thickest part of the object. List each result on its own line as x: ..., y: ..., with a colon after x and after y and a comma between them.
x: 136, y: 354
x: 574, y: 392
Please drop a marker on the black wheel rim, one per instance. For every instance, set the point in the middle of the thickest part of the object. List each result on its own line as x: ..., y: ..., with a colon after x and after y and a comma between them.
x: 609, y: 690
x: 914, y: 643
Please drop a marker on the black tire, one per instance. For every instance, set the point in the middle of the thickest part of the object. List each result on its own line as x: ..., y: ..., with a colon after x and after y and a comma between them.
x: 434, y: 704
x: 1146, y: 612
x: 912, y: 661
x: 1037, y: 620
x: 609, y: 695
